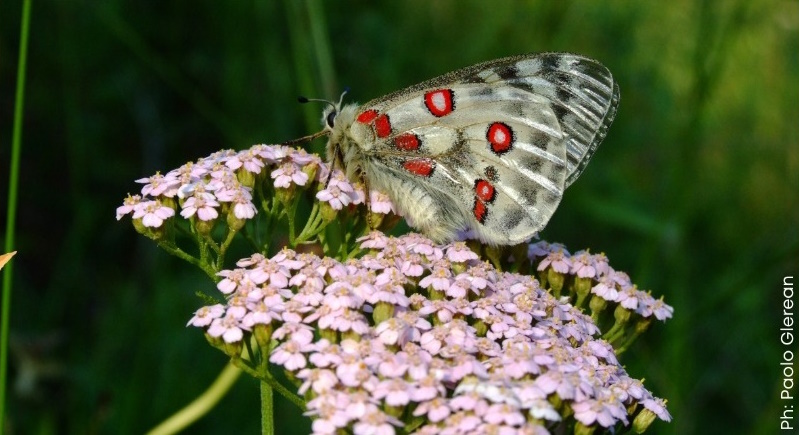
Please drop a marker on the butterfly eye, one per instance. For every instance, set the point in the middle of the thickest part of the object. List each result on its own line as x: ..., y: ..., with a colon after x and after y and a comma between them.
x: 331, y: 118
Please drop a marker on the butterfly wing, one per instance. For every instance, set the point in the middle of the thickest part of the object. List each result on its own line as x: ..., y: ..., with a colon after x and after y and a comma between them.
x: 487, y: 149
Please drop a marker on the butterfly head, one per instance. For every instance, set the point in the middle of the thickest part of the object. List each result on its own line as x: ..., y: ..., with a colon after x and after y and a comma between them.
x: 332, y: 111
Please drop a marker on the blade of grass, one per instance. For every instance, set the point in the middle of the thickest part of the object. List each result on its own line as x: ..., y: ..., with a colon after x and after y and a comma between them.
x: 11, y: 210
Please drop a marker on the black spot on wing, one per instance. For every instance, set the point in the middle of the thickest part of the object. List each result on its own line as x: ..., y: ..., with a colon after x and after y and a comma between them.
x: 533, y: 163
x: 549, y: 61
x: 482, y: 91
x: 512, y: 218
x: 507, y: 72
x: 515, y: 108
x: 560, y: 111
x: 474, y: 78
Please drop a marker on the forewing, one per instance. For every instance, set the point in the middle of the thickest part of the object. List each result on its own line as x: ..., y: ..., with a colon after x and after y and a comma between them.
x: 500, y: 140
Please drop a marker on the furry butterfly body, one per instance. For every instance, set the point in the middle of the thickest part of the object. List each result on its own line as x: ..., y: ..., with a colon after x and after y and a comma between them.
x: 483, y: 152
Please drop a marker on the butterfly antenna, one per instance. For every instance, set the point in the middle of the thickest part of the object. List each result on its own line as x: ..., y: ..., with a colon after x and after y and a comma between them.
x: 305, y: 139
x: 341, y: 98
x: 304, y: 100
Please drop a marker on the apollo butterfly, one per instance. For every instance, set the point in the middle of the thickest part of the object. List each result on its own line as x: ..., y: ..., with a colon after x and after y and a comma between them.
x: 482, y: 152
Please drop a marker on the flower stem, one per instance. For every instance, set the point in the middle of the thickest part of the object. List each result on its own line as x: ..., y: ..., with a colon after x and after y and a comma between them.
x: 267, y: 399
x: 267, y: 410
x: 220, y: 259
x: 171, y: 248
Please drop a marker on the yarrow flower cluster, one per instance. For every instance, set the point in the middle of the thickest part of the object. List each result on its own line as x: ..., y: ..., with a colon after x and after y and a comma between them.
x: 383, y: 335
x: 222, y: 184
x: 430, y: 339
x: 585, y: 277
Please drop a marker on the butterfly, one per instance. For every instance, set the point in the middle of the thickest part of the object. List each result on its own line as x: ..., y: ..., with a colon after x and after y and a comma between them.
x: 483, y: 152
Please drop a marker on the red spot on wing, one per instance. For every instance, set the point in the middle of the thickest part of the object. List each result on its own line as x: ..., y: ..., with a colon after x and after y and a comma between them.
x: 407, y: 142
x: 421, y: 167
x: 382, y: 125
x: 480, y: 211
x: 367, y: 117
x: 439, y: 102
x: 485, y: 191
x: 500, y: 136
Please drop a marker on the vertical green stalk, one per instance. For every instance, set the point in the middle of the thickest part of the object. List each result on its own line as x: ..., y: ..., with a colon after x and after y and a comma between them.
x: 267, y: 409
x: 11, y: 211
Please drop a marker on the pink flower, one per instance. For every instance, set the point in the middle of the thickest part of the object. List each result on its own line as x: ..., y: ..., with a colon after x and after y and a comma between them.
x: 302, y: 158
x: 439, y: 279
x: 271, y: 272
x: 202, y: 206
x: 373, y: 240
x: 662, y: 310
x: 606, y: 289
x: 601, y: 264
x: 289, y: 355
x: 271, y: 154
x: 247, y: 158
x: 128, y: 205
x: 352, y: 371
x: 376, y: 423
x: 233, y: 278
x: 249, y: 261
x: 205, y: 315
x: 394, y: 391
x: 289, y: 173
x: 261, y: 314
x: 319, y: 380
x: 436, y: 410
x: 334, y: 196
x: 460, y: 253
x: 241, y: 198
x: 380, y: 203
x: 502, y: 413
x: 244, y: 208
x: 658, y: 407
x: 558, y: 261
x: 582, y: 265
x: 158, y: 184
x: 427, y: 388
x: 538, y: 249
x: 398, y: 331
x: 628, y: 298
x: 152, y: 213
x: 228, y: 327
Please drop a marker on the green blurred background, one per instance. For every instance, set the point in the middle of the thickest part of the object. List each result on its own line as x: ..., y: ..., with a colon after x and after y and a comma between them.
x: 694, y: 191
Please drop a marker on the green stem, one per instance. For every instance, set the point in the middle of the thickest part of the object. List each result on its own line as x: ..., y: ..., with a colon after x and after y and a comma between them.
x: 355, y: 251
x: 313, y: 226
x: 267, y: 409
x: 171, y: 248
x: 244, y: 366
x: 211, y: 243
x: 220, y: 259
x: 11, y: 211
x: 271, y: 381
x: 267, y: 396
x: 292, y: 231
